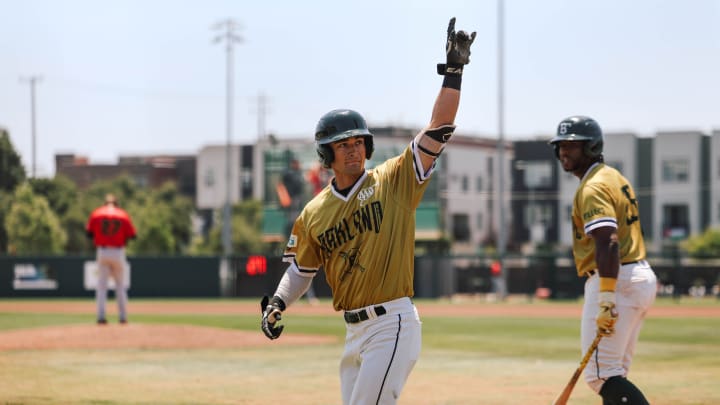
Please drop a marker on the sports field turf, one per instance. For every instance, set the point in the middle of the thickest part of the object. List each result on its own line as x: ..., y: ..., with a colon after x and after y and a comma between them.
x: 212, y: 352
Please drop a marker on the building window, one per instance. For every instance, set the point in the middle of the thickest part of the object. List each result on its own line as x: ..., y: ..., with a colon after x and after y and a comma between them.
x: 675, y: 171
x: 537, y: 213
x: 479, y: 221
x: 465, y: 183
x: 536, y: 174
x: 461, y: 227
x: 676, y: 221
x: 246, y: 183
x: 209, y: 177
x: 568, y: 213
x: 478, y: 183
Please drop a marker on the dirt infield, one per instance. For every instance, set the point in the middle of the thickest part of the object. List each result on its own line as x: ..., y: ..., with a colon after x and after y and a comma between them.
x: 142, y: 336
x: 188, y: 337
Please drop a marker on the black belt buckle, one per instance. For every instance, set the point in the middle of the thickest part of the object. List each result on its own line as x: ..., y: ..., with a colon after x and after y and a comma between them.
x: 362, y: 315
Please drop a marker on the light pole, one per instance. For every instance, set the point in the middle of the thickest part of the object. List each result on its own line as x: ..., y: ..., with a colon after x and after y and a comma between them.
x: 501, y: 148
x: 32, y: 80
x: 227, y: 34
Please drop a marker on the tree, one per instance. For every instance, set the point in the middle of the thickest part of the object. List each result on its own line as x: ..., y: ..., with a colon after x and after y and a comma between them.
x: 247, y: 227
x: 5, y: 203
x: 246, y: 232
x: 32, y: 227
x: 704, y: 245
x: 12, y: 172
x: 64, y: 199
x: 162, y: 216
x: 180, y: 210
x: 154, y: 233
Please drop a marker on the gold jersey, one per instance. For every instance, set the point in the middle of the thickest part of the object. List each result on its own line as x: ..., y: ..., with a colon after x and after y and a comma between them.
x: 605, y: 198
x: 365, y: 241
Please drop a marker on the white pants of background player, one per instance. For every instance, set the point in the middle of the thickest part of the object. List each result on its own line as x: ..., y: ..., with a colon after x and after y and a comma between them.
x: 634, y: 294
x: 380, y: 353
x: 111, y: 263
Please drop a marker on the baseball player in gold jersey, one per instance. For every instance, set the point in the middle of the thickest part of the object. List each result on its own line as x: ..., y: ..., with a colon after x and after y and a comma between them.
x: 609, y: 250
x: 361, y: 231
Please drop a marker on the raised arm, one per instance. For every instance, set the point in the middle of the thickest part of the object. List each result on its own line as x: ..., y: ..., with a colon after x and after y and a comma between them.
x: 432, y: 140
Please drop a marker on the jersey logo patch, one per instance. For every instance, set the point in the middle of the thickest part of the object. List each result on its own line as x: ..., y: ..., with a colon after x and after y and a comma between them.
x: 351, y: 262
x: 292, y: 242
x: 365, y: 194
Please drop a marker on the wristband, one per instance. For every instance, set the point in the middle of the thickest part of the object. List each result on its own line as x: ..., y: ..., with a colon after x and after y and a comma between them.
x: 607, y: 284
x: 279, y: 302
x: 452, y: 82
x: 606, y: 296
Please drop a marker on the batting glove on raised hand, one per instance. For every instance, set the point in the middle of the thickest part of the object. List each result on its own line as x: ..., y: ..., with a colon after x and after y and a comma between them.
x: 271, y: 313
x: 457, y: 51
x: 608, y: 315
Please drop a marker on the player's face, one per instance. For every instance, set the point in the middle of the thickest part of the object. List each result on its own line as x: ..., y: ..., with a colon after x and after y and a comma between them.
x: 572, y: 158
x: 349, y: 156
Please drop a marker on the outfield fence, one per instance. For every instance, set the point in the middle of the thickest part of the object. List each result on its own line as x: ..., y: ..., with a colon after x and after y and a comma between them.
x: 542, y: 276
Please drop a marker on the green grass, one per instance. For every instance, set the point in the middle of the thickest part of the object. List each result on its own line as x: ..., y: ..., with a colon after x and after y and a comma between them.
x: 465, y: 360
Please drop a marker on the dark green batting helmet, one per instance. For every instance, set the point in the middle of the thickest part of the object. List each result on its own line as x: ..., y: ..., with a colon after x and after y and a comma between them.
x: 580, y: 128
x: 336, y: 126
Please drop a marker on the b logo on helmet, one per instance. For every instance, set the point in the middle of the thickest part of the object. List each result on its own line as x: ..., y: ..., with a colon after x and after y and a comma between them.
x: 564, y: 126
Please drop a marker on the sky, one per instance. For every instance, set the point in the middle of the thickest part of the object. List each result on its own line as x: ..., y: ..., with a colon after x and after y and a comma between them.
x: 145, y: 77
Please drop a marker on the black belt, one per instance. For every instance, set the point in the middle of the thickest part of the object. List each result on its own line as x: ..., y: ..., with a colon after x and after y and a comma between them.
x: 362, y: 315
x: 592, y: 272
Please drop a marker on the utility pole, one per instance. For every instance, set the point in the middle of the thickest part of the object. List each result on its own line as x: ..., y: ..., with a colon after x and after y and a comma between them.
x: 501, y: 147
x: 227, y: 34
x: 32, y: 80
x: 262, y: 112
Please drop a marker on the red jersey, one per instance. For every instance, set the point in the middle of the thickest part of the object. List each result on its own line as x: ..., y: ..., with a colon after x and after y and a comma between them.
x: 110, y: 226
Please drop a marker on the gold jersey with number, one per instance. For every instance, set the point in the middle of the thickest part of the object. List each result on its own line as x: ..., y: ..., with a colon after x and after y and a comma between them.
x: 365, y: 241
x: 605, y: 198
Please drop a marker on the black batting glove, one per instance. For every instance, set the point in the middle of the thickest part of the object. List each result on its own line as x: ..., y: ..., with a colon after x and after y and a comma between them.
x: 457, y: 51
x: 271, y: 313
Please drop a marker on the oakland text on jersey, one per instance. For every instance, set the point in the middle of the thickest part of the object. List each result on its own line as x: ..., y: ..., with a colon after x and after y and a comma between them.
x: 366, y: 218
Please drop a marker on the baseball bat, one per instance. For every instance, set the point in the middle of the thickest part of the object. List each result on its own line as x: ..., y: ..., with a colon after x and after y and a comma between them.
x: 565, y: 394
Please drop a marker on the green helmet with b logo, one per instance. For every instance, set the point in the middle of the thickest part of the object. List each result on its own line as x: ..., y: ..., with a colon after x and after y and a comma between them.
x: 583, y: 129
x: 337, y: 125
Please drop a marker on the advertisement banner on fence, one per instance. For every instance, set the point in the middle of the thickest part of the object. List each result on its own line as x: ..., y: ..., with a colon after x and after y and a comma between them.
x: 34, y: 276
x: 91, y: 275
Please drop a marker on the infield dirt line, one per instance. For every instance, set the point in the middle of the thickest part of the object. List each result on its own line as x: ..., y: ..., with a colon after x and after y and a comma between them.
x: 572, y: 310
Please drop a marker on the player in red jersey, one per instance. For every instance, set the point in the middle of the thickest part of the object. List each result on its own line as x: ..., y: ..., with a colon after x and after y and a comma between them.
x: 110, y: 227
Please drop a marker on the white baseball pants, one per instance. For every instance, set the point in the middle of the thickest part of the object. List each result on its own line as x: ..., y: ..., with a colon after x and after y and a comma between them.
x: 111, y: 263
x: 380, y: 353
x: 634, y: 294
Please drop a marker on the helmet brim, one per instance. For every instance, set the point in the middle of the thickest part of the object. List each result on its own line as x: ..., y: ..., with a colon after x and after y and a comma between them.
x: 571, y: 138
x: 344, y: 135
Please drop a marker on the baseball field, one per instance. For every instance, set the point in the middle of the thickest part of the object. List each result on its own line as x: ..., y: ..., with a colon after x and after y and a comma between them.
x: 212, y: 352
